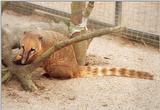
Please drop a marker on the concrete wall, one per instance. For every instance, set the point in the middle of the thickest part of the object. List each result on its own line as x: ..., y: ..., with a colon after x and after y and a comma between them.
x: 141, y: 16
x: 103, y: 11
x: 62, y: 6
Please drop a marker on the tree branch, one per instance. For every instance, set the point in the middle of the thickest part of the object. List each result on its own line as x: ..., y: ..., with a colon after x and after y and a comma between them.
x: 21, y: 72
x: 79, y: 38
x: 6, y: 75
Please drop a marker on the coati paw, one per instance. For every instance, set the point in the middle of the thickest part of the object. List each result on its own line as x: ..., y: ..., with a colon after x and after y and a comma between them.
x: 17, y: 60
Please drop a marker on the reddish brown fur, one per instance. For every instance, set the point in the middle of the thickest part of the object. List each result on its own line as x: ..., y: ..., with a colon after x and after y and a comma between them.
x: 63, y: 64
x: 95, y: 71
x: 122, y: 71
x: 104, y: 70
x: 113, y: 70
x: 88, y: 68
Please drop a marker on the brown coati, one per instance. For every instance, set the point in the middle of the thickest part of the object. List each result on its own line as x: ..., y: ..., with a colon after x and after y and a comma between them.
x: 63, y: 63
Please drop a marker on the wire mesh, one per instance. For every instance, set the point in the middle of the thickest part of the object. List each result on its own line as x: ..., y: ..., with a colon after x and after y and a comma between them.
x: 141, y: 19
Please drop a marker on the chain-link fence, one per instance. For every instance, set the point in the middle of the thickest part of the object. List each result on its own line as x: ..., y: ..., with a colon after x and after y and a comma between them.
x: 141, y: 19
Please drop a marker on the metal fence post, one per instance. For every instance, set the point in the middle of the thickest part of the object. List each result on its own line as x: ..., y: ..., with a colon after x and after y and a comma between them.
x: 118, y: 13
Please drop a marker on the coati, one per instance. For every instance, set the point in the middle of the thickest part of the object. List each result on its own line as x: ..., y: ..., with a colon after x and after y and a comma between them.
x: 63, y: 63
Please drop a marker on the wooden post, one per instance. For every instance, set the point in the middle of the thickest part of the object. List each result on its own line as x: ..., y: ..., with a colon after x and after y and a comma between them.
x: 79, y: 17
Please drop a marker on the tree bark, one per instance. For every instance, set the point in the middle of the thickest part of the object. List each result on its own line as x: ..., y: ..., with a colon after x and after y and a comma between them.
x: 77, y: 7
x: 79, y: 18
x: 6, y: 75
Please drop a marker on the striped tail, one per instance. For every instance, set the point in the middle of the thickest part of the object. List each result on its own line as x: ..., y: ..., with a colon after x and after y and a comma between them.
x: 89, y: 71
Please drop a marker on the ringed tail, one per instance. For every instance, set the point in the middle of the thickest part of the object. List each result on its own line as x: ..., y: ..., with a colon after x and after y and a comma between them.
x: 90, y: 71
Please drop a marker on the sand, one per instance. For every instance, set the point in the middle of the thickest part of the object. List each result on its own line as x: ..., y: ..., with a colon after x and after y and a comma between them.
x: 96, y: 93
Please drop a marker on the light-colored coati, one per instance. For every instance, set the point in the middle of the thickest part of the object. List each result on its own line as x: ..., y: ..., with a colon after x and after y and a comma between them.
x: 63, y: 64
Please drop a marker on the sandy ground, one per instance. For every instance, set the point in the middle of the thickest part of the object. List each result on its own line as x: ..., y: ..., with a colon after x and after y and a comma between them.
x: 97, y: 93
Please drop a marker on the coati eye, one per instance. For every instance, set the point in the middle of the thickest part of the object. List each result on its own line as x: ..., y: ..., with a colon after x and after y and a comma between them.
x: 19, y: 47
x: 33, y: 49
x: 22, y: 46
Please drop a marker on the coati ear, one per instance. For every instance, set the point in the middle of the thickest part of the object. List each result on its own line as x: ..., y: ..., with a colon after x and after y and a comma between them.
x: 40, y: 37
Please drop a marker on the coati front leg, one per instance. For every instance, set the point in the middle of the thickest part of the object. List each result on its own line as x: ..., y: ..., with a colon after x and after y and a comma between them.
x: 60, y: 71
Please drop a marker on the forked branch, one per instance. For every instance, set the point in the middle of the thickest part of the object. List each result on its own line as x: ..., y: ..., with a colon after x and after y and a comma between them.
x: 21, y: 72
